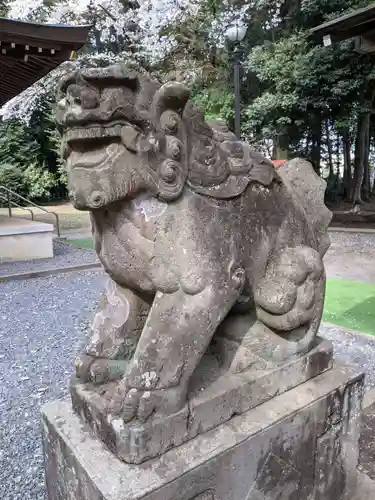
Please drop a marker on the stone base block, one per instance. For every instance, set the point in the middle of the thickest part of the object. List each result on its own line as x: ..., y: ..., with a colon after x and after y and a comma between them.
x: 214, y: 398
x: 22, y: 239
x: 302, y: 444
x: 363, y: 490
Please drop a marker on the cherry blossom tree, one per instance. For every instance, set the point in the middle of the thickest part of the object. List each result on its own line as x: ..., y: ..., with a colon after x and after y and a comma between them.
x: 138, y: 32
x: 122, y: 30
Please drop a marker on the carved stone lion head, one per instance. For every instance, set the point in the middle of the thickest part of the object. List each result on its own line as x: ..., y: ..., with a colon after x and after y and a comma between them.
x: 123, y: 134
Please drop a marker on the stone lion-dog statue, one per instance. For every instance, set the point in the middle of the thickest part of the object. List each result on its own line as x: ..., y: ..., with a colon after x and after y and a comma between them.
x: 197, y: 232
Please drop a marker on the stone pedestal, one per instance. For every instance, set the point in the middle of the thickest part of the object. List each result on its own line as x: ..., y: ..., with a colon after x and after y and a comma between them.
x: 215, y: 396
x: 302, y: 444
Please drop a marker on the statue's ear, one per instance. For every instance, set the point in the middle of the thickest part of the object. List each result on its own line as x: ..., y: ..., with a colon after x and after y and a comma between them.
x: 168, y: 105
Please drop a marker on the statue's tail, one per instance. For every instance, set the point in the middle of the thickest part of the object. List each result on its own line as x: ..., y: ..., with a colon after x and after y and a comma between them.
x: 308, y: 190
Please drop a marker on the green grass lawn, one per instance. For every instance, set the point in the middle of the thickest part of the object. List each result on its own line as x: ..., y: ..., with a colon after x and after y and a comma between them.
x: 348, y: 303
x: 82, y: 243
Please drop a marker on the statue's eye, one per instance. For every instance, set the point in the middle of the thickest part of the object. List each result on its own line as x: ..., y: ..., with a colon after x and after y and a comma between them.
x: 135, y: 127
x: 74, y: 94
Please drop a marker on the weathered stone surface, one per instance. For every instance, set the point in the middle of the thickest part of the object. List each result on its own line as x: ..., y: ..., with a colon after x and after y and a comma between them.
x: 364, y: 489
x: 200, y: 236
x: 215, y: 396
x: 367, y: 443
x: 297, y: 446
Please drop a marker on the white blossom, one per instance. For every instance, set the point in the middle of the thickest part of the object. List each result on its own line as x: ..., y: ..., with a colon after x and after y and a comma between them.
x: 221, y: 23
x: 23, y: 9
x: 140, y: 27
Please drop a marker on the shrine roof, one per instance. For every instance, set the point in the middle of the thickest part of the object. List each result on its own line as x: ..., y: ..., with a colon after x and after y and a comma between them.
x: 357, y: 23
x: 28, y: 51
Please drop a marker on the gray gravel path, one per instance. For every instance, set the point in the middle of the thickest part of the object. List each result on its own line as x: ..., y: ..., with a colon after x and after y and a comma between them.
x: 64, y: 255
x: 353, y: 349
x: 42, y: 328
x: 351, y: 256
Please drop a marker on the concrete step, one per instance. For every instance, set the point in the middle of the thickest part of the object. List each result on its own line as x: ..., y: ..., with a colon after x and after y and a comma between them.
x: 23, y: 239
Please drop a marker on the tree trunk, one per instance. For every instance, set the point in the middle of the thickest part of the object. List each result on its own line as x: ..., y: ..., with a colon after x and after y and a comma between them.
x: 307, y: 147
x: 338, y: 160
x: 366, y: 189
x: 361, y: 147
x: 316, y: 139
x: 347, y: 164
x: 282, y: 146
x: 360, y: 156
x: 330, y: 151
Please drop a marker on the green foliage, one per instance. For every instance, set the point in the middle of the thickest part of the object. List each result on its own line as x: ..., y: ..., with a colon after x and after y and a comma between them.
x: 12, y: 178
x: 17, y: 143
x: 291, y: 86
x: 23, y: 160
x: 39, y: 181
x: 216, y: 103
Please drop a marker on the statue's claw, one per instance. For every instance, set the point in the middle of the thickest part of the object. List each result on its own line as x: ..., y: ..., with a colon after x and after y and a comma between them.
x: 138, y: 404
x: 82, y: 365
x: 130, y: 405
x: 147, y: 404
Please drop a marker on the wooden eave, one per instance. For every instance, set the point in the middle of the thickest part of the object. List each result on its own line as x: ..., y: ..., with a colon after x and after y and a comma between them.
x: 360, y: 22
x: 28, y: 51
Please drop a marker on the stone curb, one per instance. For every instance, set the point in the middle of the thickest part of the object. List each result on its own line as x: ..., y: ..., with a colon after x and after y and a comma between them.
x: 364, y: 230
x: 50, y: 272
x: 76, y: 236
x: 349, y: 330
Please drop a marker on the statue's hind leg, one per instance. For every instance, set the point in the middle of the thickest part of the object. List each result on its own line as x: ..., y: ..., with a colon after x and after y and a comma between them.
x: 289, y: 298
x: 115, y: 333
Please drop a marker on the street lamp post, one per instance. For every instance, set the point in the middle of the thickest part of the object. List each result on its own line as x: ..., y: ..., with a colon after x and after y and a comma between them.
x: 236, y: 33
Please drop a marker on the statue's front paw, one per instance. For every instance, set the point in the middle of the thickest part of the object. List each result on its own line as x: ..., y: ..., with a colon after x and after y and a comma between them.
x: 132, y: 403
x: 99, y: 370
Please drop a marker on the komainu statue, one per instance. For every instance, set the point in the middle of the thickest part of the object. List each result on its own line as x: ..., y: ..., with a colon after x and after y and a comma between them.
x: 208, y: 248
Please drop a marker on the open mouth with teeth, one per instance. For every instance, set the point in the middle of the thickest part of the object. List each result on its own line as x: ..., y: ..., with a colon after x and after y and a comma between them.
x: 95, y: 144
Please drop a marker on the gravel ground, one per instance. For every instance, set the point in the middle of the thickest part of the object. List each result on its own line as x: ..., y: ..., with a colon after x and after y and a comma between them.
x: 64, y: 255
x: 351, y: 256
x: 42, y: 328
x: 360, y: 243
x: 43, y: 325
x: 353, y: 349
